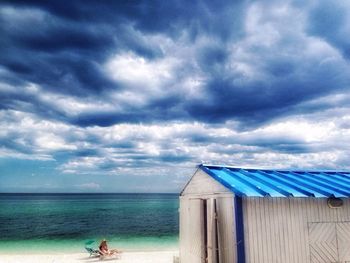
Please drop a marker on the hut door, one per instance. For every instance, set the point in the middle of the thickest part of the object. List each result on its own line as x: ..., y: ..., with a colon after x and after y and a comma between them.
x: 323, y: 243
x: 195, y: 232
x: 329, y: 242
x: 343, y: 237
x: 212, y: 241
x: 203, y: 228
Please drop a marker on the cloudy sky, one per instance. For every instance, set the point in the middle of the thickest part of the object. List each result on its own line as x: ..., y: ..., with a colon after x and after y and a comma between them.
x: 129, y: 96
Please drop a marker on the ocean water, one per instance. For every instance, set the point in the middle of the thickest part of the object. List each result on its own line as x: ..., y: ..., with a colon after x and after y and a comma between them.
x: 60, y: 223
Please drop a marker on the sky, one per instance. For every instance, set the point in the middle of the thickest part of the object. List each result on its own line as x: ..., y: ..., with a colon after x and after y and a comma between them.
x: 130, y: 96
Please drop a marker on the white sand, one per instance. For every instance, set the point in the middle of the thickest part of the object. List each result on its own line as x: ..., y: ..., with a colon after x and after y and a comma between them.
x: 126, y: 257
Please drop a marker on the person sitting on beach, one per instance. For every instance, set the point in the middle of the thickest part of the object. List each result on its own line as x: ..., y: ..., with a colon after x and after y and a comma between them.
x: 103, y: 248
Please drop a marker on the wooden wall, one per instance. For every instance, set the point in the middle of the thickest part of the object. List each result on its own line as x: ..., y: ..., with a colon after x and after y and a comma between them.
x: 277, y: 229
x: 191, y: 238
x: 227, y: 229
x: 191, y: 228
x: 200, y: 187
x: 201, y: 183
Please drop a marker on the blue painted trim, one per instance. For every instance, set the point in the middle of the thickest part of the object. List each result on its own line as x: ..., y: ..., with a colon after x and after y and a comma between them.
x: 239, y: 229
x: 280, y: 183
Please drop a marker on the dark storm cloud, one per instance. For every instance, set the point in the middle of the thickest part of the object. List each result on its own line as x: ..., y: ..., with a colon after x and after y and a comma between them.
x: 63, y: 47
x: 61, y: 58
x: 63, y: 50
x: 330, y: 21
x: 15, y: 143
x: 156, y: 16
x: 24, y: 100
x: 295, y: 69
x: 259, y: 142
x: 260, y: 101
x: 159, y: 113
x: 151, y: 88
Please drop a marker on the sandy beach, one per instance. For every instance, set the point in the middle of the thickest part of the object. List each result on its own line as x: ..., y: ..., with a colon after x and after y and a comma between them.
x: 126, y: 257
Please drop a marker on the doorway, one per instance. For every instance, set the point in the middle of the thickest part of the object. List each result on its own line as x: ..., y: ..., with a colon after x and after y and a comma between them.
x: 210, y: 228
x: 329, y: 242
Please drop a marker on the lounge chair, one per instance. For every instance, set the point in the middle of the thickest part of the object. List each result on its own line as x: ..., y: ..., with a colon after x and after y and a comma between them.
x: 90, y: 250
x: 93, y: 252
x: 98, y: 253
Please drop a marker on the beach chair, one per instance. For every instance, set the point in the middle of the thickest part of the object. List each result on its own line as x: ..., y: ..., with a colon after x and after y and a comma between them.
x: 90, y: 250
x: 97, y: 253
x: 93, y: 252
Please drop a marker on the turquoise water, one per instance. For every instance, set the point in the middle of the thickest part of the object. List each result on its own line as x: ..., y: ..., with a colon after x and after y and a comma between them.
x: 61, y: 223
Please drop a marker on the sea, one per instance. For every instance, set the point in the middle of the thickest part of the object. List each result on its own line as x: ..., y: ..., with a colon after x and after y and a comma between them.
x: 66, y: 223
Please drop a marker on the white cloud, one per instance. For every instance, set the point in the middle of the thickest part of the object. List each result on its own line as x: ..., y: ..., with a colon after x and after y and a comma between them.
x: 303, y: 130
x: 34, y: 137
x: 15, y: 154
x: 136, y: 71
x: 52, y: 142
x: 125, y: 147
x: 82, y: 165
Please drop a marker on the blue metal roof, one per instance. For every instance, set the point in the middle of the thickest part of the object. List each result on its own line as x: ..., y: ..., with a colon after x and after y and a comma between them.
x: 281, y: 183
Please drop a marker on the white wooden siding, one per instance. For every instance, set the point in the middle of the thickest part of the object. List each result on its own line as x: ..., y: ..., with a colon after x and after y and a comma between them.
x: 343, y: 238
x: 227, y: 229
x: 211, y: 242
x: 191, y: 228
x: 323, y: 243
x: 191, y: 234
x: 202, y: 186
x: 277, y: 229
x: 184, y: 229
x: 201, y: 183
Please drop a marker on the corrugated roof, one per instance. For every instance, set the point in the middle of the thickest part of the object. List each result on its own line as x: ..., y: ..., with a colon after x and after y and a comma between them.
x: 281, y: 183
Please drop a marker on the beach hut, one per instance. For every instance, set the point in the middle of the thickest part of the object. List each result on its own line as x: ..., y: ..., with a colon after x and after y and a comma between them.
x: 230, y: 214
